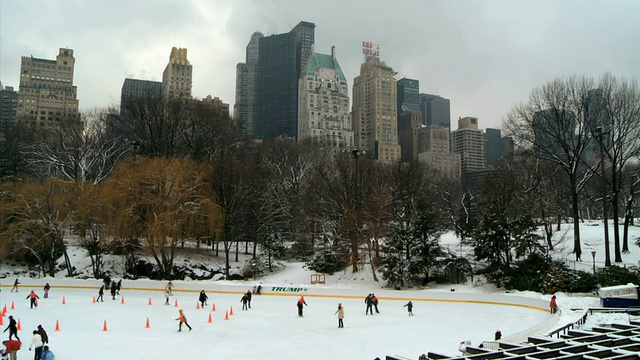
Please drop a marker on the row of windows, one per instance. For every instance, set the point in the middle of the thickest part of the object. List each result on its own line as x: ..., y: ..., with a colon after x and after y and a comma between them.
x: 47, y: 66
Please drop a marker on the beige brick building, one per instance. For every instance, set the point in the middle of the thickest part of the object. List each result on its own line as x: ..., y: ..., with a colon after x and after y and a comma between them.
x: 468, y: 141
x: 177, y: 76
x: 46, y: 95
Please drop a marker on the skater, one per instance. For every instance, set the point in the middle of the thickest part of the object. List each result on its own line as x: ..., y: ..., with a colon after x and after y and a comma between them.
x: 12, y: 327
x: 169, y: 288
x: 11, y: 347
x: 259, y: 289
x: 340, y: 313
x: 183, y: 320
x: 249, y: 298
x: 553, y: 305
x: 43, y: 335
x: 203, y: 298
x: 498, y: 335
x: 46, y: 353
x: 166, y: 297
x: 107, y: 281
x: 34, y: 298
x: 409, y: 307
x: 101, y: 294
x: 36, y: 344
x: 369, y: 301
x: 114, y: 288
x: 300, y: 303
x: 46, y: 290
x: 118, y: 286
x: 15, y: 285
x: 244, y: 301
x: 375, y: 303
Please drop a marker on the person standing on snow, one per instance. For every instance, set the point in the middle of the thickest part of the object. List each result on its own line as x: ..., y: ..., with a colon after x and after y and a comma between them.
x: 183, y: 320
x: 244, y: 301
x: 409, y: 307
x: 203, y: 298
x: 374, y: 299
x: 118, y: 286
x: 340, y: 313
x: 166, y: 297
x: 43, y: 334
x: 47, y: 354
x: 101, y: 294
x: 169, y: 288
x: 114, y: 288
x: 37, y: 344
x: 34, y: 298
x: 300, y: 303
x: 46, y: 290
x: 249, y: 298
x: 369, y: 301
x: 12, y: 327
x: 553, y: 305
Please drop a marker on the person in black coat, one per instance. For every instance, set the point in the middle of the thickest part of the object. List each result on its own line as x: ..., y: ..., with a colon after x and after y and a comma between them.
x: 203, y: 298
x: 118, y: 286
x: 369, y: 301
x: 101, y: 294
x: 409, y: 307
x: 12, y: 327
x: 244, y: 301
x: 114, y: 288
x: 249, y: 298
x: 43, y: 334
x: 301, y: 302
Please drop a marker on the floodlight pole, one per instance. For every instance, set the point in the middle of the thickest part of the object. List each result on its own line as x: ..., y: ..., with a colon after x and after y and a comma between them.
x: 593, y: 255
x: 605, y: 218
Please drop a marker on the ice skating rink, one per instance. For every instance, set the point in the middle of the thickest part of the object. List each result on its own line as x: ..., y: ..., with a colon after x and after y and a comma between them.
x: 271, y: 329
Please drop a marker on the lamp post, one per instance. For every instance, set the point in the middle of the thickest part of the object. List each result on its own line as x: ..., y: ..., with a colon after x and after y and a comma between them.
x: 593, y: 255
x: 605, y: 217
x: 356, y: 236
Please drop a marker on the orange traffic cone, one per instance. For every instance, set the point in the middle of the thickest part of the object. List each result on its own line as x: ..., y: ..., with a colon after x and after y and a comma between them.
x: 226, y: 315
x: 231, y: 311
x: 57, y: 326
x: 148, y: 325
x: 176, y: 305
x: 210, y: 319
x: 149, y: 301
x: 122, y: 300
x: 104, y: 327
x: 94, y: 299
x: 13, y: 306
x: 19, y: 325
x: 4, y: 309
x: 1, y: 321
x: 64, y: 301
x: 198, y: 306
x: 213, y: 307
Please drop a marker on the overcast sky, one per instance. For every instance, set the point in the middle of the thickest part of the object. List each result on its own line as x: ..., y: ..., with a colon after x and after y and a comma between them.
x: 485, y: 56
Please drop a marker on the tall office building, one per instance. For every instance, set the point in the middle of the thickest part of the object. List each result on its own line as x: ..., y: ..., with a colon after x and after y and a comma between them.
x: 47, y: 95
x: 433, y: 150
x: 468, y: 141
x: 177, y: 75
x: 375, y: 111
x: 409, y: 128
x: 244, y: 107
x: 496, y: 147
x: 138, y: 90
x: 281, y: 60
x: 436, y: 110
x: 408, y: 95
x: 323, y: 106
x: 8, y: 106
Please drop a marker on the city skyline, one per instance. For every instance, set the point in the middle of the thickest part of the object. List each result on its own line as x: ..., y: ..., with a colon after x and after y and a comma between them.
x: 485, y: 56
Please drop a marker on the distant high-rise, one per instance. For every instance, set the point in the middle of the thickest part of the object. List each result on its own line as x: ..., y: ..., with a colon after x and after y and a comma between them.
x: 323, y: 108
x: 8, y: 106
x: 408, y: 95
x: 217, y: 105
x: 436, y: 110
x: 496, y: 147
x: 433, y: 149
x: 244, y: 107
x: 281, y: 60
x: 138, y: 90
x: 375, y: 111
x: 177, y: 76
x: 47, y: 95
x: 468, y: 141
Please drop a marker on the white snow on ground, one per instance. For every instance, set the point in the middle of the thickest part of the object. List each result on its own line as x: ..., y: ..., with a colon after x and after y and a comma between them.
x: 272, y: 329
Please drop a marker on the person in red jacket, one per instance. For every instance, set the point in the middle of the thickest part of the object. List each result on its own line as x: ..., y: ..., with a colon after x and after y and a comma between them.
x: 183, y: 320
x: 34, y: 298
x: 553, y: 305
x: 11, y: 347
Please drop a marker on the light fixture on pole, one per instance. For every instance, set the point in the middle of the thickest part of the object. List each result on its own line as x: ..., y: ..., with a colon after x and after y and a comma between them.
x: 593, y: 255
x: 599, y: 134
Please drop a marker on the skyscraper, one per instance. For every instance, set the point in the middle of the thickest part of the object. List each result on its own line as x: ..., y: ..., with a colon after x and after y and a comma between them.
x: 8, y: 106
x: 134, y: 89
x: 176, y: 78
x: 375, y: 111
x: 436, y: 110
x: 408, y: 95
x: 244, y: 107
x: 468, y: 141
x: 47, y: 95
x: 496, y: 147
x: 281, y: 60
x: 323, y: 109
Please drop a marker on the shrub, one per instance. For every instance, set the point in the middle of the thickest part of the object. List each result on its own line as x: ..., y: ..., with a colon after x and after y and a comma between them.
x: 582, y: 281
x: 556, y: 279
x: 528, y: 274
x: 327, y: 261
x: 616, y: 275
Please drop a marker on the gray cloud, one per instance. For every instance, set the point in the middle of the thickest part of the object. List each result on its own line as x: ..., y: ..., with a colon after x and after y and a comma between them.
x: 485, y: 56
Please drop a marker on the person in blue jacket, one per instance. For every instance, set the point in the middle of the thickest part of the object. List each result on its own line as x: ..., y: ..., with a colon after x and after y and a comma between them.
x: 47, y: 354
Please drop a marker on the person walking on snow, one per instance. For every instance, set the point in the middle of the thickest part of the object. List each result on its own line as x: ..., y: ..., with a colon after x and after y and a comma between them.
x: 34, y: 298
x: 249, y: 298
x: 101, y: 294
x: 203, y: 298
x: 37, y: 344
x: 46, y: 290
x: 369, y: 301
x: 15, y: 285
x: 300, y: 303
x: 12, y: 327
x: 409, y: 307
x: 244, y: 301
x: 340, y: 313
x: 183, y: 320
x: 43, y: 334
x: 553, y: 305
